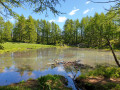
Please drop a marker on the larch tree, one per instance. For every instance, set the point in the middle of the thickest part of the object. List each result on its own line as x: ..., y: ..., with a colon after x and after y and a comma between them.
x: 1, y: 29
x: 7, y: 32
x: 31, y: 35
x: 21, y: 28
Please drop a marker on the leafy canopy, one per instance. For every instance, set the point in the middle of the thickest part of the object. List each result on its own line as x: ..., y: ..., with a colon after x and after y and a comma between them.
x: 38, y: 6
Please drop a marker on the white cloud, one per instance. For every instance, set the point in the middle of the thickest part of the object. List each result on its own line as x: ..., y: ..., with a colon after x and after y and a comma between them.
x: 86, y: 11
x: 87, y: 2
x: 61, y: 19
x: 73, y: 12
x: 52, y: 20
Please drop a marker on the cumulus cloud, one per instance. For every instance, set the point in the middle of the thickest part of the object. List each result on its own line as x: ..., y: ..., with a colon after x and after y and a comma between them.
x: 73, y: 12
x: 87, y: 2
x: 52, y: 20
x: 61, y: 19
x: 86, y: 11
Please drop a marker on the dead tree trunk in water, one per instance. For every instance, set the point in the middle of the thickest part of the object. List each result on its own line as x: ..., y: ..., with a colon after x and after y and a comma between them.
x: 117, y: 62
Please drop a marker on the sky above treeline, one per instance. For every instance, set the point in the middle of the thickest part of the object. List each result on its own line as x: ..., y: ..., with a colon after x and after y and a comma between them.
x: 73, y: 9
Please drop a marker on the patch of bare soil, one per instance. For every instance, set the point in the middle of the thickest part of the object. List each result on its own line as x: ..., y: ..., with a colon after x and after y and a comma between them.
x: 101, y: 80
x: 98, y: 83
x: 29, y: 84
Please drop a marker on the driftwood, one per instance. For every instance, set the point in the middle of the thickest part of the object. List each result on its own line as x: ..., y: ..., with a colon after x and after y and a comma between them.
x: 77, y: 64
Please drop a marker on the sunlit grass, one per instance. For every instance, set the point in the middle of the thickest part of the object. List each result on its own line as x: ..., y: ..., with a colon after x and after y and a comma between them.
x: 12, y: 47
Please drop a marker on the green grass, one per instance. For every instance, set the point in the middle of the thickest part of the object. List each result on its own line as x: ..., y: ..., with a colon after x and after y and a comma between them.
x: 105, y: 71
x: 12, y: 47
x: 49, y: 82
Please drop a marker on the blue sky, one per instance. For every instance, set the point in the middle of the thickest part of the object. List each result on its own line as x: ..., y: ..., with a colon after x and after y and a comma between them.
x: 74, y: 9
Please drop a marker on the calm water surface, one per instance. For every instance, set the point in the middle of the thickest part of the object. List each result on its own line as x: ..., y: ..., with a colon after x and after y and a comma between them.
x: 18, y: 66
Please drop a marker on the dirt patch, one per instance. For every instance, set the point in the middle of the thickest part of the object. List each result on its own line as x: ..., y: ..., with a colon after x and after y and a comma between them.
x: 29, y: 84
x: 98, y: 83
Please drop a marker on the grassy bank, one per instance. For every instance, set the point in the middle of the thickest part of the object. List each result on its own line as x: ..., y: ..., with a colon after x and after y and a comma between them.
x: 12, y: 47
x: 100, y: 78
x: 49, y: 82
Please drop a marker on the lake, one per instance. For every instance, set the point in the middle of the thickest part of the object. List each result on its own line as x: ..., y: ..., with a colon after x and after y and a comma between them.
x: 18, y: 66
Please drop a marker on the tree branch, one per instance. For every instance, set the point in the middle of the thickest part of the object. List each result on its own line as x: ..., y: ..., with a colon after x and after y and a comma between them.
x: 104, y: 2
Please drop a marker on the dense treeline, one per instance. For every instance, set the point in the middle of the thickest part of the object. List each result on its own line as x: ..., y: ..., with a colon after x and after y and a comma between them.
x: 89, y: 32
x: 30, y: 31
x: 93, y: 31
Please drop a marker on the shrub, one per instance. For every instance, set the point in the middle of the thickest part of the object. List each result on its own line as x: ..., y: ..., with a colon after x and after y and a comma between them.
x: 106, y: 71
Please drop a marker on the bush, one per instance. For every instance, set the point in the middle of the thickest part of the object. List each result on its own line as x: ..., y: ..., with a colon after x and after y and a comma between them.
x: 1, y: 47
x: 106, y: 71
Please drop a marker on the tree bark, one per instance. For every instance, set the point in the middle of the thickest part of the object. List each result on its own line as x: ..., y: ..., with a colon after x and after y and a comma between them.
x: 116, y: 60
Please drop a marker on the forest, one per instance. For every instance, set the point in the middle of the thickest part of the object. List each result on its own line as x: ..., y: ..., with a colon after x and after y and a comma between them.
x: 89, y: 32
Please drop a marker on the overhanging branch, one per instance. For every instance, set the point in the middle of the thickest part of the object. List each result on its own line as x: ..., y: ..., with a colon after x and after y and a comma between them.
x: 105, y: 2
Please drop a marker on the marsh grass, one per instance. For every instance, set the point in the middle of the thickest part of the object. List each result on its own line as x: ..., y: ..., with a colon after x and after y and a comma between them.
x: 12, y: 46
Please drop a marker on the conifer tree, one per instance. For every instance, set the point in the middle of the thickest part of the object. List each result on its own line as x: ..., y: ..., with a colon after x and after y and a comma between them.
x: 7, y: 33
x: 31, y: 33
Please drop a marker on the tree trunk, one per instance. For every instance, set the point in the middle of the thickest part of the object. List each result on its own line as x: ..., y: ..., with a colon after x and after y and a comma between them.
x: 117, y: 62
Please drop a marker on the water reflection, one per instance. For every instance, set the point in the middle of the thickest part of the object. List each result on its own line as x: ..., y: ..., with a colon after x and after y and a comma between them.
x: 14, y: 76
x: 18, y: 66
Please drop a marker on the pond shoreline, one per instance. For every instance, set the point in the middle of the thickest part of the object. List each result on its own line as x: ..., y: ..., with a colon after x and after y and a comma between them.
x: 102, y: 77
x: 15, y: 46
x: 47, y: 82
x: 92, y: 80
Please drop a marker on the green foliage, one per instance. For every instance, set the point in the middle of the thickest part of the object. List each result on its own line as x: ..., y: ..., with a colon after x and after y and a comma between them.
x: 19, y: 31
x: 7, y: 31
x: 105, y: 71
x: 51, y: 82
x: 31, y: 34
x: 22, y: 81
x: 39, y: 6
x: 1, y: 47
x: 43, y: 80
x: 89, y: 32
x: 1, y: 29
x: 83, y: 76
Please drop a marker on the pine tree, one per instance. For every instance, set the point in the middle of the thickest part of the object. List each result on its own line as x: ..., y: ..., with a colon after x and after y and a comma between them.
x: 1, y: 29
x: 31, y: 33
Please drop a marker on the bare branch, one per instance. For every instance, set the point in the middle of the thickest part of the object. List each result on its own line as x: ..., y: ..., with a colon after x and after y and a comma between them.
x: 105, y: 2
